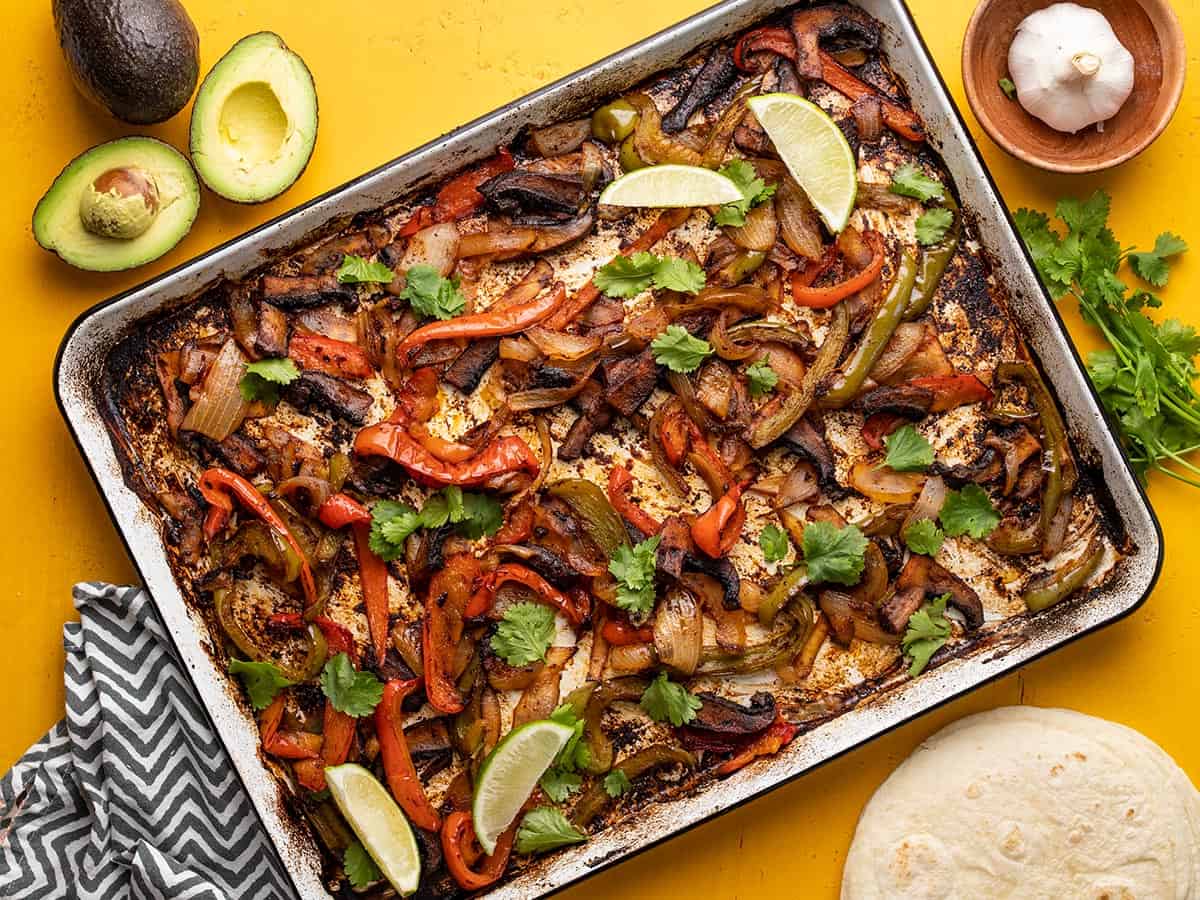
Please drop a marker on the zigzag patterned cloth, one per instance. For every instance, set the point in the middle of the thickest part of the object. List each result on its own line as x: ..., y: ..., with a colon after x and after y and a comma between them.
x: 132, y: 795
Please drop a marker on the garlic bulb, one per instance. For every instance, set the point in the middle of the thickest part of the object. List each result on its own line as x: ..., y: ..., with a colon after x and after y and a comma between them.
x: 1069, y: 68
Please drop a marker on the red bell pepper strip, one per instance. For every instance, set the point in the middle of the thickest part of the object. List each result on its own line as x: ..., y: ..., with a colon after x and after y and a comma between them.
x: 458, y: 832
x: 286, y: 744
x: 489, y: 323
x: 825, y: 297
x: 402, y: 777
x: 373, y: 573
x: 325, y: 354
x: 338, y: 638
x: 950, y: 391
x: 621, y: 634
x: 770, y: 40
x: 417, y: 399
x: 901, y: 120
x: 459, y: 198
x: 777, y: 736
x: 878, y: 426
x: 667, y: 221
x: 422, y: 217
x: 216, y: 485
x: 718, y: 529
x: 674, y: 435
x: 482, y: 599
x: 340, y: 510
x: 619, y: 483
x: 501, y: 456
x: 449, y: 592
x: 518, y: 527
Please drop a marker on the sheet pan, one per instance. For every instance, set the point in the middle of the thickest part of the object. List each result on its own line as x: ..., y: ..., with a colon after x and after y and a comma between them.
x: 96, y: 332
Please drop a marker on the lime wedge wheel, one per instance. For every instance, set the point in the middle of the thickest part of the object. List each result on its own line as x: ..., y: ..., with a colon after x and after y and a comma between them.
x: 815, y: 152
x: 379, y: 824
x: 671, y: 186
x: 507, y: 777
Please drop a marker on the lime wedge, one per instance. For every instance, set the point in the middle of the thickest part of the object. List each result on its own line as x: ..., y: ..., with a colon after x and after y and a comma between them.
x: 815, y: 152
x: 670, y: 186
x: 379, y: 824
x: 509, y: 774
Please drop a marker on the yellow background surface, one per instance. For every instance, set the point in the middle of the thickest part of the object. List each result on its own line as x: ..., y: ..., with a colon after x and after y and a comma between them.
x: 390, y: 76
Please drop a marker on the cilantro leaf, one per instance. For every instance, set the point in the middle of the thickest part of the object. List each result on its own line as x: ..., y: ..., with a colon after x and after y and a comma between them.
x: 923, y: 536
x: 626, y: 276
x: 907, y: 450
x: 969, y: 511
x: 263, y: 680
x: 774, y: 543
x: 356, y: 270
x: 360, y: 868
x: 675, y: 274
x: 1087, y: 217
x: 350, y: 691
x: 1151, y: 265
x: 928, y: 630
x: 575, y: 753
x: 910, y: 181
x: 665, y: 701
x: 1010, y: 89
x: 559, y: 784
x: 545, y: 828
x: 429, y: 294
x: 634, y: 570
x: 616, y: 783
x: 834, y: 554
x: 754, y: 191
x: 391, y: 524
x: 676, y: 349
x: 762, y: 378
x: 263, y: 378
x: 524, y: 633
x: 933, y: 224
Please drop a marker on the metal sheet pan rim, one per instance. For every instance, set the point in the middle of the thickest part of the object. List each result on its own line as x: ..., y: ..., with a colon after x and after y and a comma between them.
x: 76, y: 399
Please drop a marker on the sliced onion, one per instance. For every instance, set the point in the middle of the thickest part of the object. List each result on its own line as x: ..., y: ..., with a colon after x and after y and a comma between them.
x: 551, y: 236
x: 731, y: 623
x: 406, y: 638
x: 544, y: 398
x: 591, y: 166
x: 519, y: 348
x: 799, y: 486
x: 760, y: 229
x: 904, y: 343
x: 787, y: 365
x: 1056, y: 532
x: 315, y: 490
x: 799, y: 225
x: 873, y: 585
x: 885, y: 485
x: 219, y: 409
x: 435, y: 246
x: 715, y: 387
x: 746, y: 297
x: 560, y: 139
x: 598, y: 656
x: 651, y: 143
x: 725, y: 346
x: 682, y: 386
x: 560, y: 345
x: 850, y: 618
x: 503, y: 240
x: 880, y: 196
x: 868, y: 118
x: 628, y: 658
x: 678, y: 631
x: 929, y: 502
x: 541, y: 697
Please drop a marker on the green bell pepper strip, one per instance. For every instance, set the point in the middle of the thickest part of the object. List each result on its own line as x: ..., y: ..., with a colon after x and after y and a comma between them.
x: 594, y: 511
x: 1048, y: 589
x: 791, y: 628
x: 596, y: 797
x: 933, y: 265
x: 887, y: 318
x: 600, y: 747
x: 223, y: 603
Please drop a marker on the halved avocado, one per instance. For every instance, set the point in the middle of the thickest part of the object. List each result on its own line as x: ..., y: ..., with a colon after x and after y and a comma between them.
x: 254, y: 122
x: 118, y: 205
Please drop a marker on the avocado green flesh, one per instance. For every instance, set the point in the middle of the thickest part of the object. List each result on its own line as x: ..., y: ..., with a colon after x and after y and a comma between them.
x: 57, y: 225
x: 254, y: 122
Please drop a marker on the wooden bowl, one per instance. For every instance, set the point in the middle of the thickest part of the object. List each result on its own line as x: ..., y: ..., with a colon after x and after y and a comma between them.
x: 1148, y: 29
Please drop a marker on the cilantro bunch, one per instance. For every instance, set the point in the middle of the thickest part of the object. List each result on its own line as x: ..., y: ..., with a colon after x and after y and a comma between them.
x: 1145, y: 379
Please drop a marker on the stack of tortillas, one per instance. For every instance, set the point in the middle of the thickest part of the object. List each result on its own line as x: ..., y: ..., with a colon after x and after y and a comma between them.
x: 1030, y: 803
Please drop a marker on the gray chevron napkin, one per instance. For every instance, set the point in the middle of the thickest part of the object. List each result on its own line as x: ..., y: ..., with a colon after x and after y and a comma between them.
x: 132, y: 795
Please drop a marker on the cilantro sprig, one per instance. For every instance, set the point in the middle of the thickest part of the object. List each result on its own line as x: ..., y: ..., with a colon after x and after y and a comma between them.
x: 834, y: 554
x: 907, y: 450
x: 264, y: 378
x: 774, y: 543
x: 679, y: 351
x: 429, y: 294
x: 350, y: 691
x: 910, y: 181
x: 359, y: 867
x: 356, y: 270
x: 762, y: 378
x: 666, y: 701
x: 969, y: 511
x: 933, y: 224
x: 754, y: 190
x: 1146, y: 377
x: 628, y: 276
x: 524, y: 633
x: 633, y: 567
x: 924, y: 537
x: 546, y: 828
x: 928, y: 630
x: 616, y: 783
x: 263, y: 680
x: 473, y: 516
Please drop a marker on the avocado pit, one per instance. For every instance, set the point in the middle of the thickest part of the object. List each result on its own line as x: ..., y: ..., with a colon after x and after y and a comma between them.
x: 121, y: 203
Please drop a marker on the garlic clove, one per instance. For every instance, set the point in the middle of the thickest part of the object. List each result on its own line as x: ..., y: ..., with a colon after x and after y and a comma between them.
x: 1069, y: 67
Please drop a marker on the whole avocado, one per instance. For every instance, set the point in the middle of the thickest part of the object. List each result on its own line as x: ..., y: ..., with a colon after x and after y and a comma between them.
x: 139, y: 59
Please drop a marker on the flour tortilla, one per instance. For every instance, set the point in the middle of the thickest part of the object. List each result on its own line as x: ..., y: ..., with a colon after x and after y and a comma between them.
x: 1040, y: 804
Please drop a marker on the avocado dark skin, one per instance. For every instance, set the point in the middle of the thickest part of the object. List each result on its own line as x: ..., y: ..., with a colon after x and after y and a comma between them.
x: 139, y: 59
